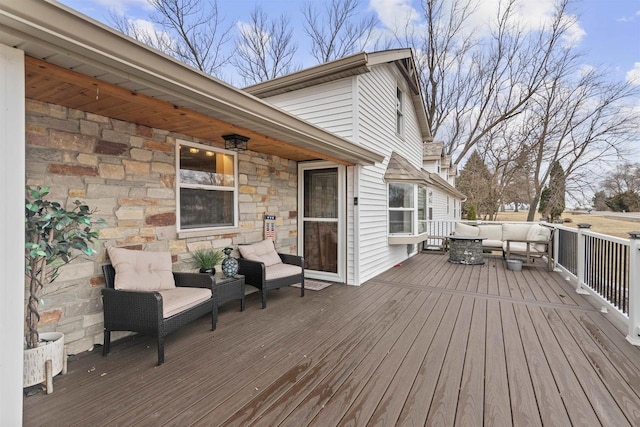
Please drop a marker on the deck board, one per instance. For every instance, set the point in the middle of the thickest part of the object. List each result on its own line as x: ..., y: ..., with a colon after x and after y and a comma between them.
x: 427, y: 342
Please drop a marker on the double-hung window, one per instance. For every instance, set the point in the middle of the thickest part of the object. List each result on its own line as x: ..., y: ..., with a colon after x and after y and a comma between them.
x: 401, y: 208
x: 408, y: 212
x: 207, y: 187
x: 399, y: 111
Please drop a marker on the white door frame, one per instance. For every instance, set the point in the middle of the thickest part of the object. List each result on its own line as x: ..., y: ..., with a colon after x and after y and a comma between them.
x: 340, y: 276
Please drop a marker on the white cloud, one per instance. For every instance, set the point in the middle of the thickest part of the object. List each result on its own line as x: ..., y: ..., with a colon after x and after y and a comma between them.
x: 574, y: 33
x: 633, y: 75
x: 122, y: 6
x: 394, y: 13
x: 528, y: 15
x: 586, y: 69
x: 629, y: 18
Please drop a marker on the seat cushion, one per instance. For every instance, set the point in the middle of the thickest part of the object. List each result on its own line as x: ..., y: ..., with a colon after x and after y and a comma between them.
x: 282, y: 270
x: 491, y: 232
x: 466, y: 230
x: 179, y: 299
x: 492, y: 244
x: 522, y: 248
x: 141, y: 271
x: 264, y: 252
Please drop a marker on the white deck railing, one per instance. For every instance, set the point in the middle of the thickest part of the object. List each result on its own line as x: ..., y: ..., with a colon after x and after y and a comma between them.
x: 603, y: 266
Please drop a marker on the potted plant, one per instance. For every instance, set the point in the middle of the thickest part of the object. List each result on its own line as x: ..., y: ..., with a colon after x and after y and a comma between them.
x: 205, y: 260
x: 54, y: 236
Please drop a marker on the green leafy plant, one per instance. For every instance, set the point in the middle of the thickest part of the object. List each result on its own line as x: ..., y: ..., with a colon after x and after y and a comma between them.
x: 471, y: 213
x: 205, y: 259
x: 54, y: 236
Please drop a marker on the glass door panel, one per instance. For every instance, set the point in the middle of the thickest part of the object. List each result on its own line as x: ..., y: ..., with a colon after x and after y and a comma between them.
x: 321, y: 221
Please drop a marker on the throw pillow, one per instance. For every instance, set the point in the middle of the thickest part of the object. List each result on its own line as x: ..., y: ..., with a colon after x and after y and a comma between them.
x: 141, y: 271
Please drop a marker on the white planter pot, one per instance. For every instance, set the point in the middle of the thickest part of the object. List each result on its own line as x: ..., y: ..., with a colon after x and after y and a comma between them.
x: 43, y: 363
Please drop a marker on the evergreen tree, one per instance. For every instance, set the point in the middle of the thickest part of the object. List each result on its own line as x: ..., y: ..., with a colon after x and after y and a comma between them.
x: 552, y: 198
x: 476, y: 182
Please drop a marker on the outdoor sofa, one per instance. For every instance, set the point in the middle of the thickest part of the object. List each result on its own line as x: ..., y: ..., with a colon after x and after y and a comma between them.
x: 144, y: 295
x: 524, y: 241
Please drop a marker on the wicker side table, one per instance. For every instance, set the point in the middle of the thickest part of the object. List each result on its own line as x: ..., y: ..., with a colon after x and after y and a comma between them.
x: 230, y: 288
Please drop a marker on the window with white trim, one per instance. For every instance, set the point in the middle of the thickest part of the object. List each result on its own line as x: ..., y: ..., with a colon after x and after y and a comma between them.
x: 207, y: 187
x: 408, y: 212
x: 399, y: 111
x: 422, y: 209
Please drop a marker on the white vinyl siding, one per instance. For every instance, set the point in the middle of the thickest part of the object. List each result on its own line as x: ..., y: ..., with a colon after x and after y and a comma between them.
x: 329, y: 106
x: 377, y: 118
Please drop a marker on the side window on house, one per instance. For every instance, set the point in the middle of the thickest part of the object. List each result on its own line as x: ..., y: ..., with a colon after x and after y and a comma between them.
x: 401, y: 208
x: 399, y: 111
x: 422, y: 209
x: 207, y: 187
x: 408, y: 212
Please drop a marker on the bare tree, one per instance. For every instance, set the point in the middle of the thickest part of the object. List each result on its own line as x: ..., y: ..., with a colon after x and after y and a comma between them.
x: 192, y: 31
x: 335, y: 31
x: 265, y: 48
x: 582, y: 123
x: 625, y: 177
x: 475, y: 80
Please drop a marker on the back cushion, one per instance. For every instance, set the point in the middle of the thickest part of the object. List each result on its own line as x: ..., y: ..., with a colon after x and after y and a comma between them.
x: 141, y: 271
x: 515, y: 231
x: 539, y: 233
x: 466, y: 230
x: 264, y: 251
x: 491, y: 231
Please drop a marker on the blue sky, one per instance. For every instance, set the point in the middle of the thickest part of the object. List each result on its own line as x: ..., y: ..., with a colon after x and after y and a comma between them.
x: 607, y: 31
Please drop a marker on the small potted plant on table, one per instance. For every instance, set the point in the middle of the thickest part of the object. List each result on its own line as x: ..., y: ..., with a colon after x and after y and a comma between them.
x: 205, y: 260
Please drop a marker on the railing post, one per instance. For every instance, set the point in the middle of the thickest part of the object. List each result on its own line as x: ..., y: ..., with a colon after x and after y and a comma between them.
x: 556, y: 247
x: 581, y: 258
x: 634, y: 288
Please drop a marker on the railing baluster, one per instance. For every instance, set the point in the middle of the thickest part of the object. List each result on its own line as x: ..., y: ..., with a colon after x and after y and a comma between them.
x: 634, y: 288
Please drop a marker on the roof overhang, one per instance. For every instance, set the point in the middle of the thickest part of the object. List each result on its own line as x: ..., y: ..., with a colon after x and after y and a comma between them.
x: 57, y: 35
x: 400, y: 169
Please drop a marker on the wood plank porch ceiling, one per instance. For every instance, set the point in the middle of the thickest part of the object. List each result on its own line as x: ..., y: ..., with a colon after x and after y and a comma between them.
x: 56, y: 85
x: 427, y: 343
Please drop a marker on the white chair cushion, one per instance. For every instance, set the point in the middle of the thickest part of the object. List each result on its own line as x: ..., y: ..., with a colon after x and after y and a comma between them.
x: 522, y: 247
x: 141, y: 271
x: 466, y: 230
x: 179, y: 299
x: 492, y: 244
x: 491, y: 232
x: 515, y: 231
x: 281, y: 270
x: 539, y: 233
x: 264, y: 251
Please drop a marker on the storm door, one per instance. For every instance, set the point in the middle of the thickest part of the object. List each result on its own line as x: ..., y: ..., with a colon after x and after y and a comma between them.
x: 322, y: 226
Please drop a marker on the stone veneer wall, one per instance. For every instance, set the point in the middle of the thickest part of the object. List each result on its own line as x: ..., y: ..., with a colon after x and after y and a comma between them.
x: 127, y: 172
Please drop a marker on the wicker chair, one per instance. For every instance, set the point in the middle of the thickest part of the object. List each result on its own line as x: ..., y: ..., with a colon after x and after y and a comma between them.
x: 256, y: 273
x: 141, y: 312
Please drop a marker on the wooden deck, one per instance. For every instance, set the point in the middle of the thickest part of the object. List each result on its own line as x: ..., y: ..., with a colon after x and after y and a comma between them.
x: 427, y: 343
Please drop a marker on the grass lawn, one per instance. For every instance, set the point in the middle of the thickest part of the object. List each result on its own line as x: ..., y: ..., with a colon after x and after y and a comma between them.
x: 599, y: 224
